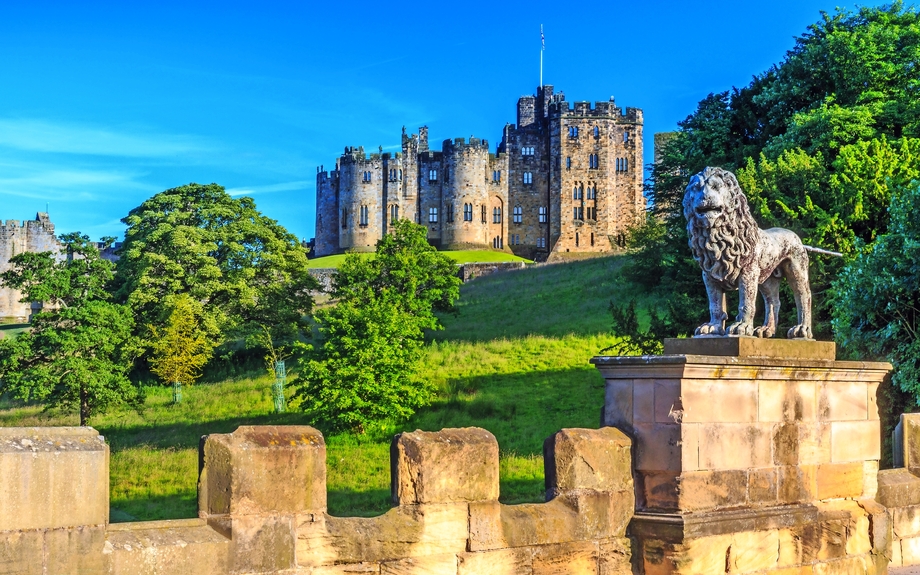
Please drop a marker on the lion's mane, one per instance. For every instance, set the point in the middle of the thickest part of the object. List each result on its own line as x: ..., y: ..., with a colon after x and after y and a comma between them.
x: 726, y: 248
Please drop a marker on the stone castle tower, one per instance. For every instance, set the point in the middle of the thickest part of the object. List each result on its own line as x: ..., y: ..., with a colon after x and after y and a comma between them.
x: 565, y: 178
x: 15, y: 238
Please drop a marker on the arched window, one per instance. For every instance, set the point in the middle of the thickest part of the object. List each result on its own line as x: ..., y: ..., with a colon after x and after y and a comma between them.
x: 517, y: 214
x: 528, y: 177
x: 467, y: 212
x: 432, y: 175
x: 597, y: 132
x: 568, y: 162
x: 394, y: 213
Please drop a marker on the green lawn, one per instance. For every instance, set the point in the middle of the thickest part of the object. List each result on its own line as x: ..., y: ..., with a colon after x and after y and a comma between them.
x: 461, y: 257
x: 513, y: 360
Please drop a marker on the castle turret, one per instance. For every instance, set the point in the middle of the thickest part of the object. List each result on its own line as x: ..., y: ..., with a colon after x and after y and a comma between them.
x: 327, y: 213
x: 360, y: 200
x: 465, y: 193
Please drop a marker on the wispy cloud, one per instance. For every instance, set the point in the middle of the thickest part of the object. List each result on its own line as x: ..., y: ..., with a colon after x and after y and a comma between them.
x: 43, y: 136
x: 282, y: 187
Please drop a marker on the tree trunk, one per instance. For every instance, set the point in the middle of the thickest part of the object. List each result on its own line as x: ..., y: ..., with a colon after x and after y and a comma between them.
x: 84, y: 406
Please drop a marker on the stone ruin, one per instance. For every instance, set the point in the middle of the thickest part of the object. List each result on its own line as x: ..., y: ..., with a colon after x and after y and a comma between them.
x: 724, y: 455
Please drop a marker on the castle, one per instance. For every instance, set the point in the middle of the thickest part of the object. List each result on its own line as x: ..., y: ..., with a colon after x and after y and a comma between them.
x: 565, y: 178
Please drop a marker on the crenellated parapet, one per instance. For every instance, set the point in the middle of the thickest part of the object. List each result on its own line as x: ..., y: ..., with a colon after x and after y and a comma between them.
x: 262, y: 508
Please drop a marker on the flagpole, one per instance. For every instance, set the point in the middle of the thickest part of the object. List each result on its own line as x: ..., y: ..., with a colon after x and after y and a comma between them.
x: 542, y: 47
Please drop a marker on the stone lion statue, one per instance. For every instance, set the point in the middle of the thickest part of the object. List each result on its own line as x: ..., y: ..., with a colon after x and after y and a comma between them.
x: 736, y: 254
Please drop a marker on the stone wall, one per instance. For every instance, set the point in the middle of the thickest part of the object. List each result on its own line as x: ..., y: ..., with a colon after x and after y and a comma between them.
x: 262, y: 509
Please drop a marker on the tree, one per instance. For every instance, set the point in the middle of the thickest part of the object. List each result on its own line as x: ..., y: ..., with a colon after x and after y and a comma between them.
x: 80, y: 347
x: 179, y: 349
x: 818, y: 142
x: 362, y: 374
x: 244, y: 268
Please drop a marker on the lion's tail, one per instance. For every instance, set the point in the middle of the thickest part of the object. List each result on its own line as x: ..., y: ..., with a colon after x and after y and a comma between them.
x: 823, y: 251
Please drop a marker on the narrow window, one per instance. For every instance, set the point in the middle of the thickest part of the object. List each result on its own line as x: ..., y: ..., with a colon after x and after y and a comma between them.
x: 568, y: 162
x: 575, y: 192
x: 400, y: 174
x: 576, y: 239
x: 625, y: 164
x: 496, y: 215
x: 497, y: 176
x: 574, y: 213
x: 528, y: 177
x: 625, y: 137
x: 592, y: 240
x: 394, y: 213
x: 432, y: 175
x: 363, y: 216
x: 450, y: 212
x: 467, y: 212
x: 597, y: 132
x: 432, y: 215
x: 518, y: 214
x: 483, y: 213
x: 344, y: 219
x: 542, y: 214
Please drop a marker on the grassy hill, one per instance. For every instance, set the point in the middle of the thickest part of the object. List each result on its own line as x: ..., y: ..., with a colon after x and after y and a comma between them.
x: 513, y: 360
x: 461, y: 257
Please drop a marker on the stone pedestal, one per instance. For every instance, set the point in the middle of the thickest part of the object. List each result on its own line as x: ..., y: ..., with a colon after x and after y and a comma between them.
x: 748, y: 441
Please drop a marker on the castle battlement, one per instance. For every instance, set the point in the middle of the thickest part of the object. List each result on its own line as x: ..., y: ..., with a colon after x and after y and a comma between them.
x: 458, y: 144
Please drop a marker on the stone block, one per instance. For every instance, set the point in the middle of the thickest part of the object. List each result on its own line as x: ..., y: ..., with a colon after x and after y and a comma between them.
x: 763, y: 486
x: 576, y: 558
x: 737, y: 400
x: 910, y: 428
x: 43, y: 471
x: 499, y: 562
x: 21, y: 552
x: 843, y: 401
x: 618, y: 404
x: 262, y: 543
x: 870, y: 479
x: 724, y: 446
x: 787, y: 401
x: 262, y: 469
x: 802, y: 443
x: 496, y: 526
x: 836, y: 480
x: 668, y: 405
x: 797, y: 483
x: 658, y: 491
x: 910, y: 551
x: 752, y: 347
x: 643, y: 400
x: 407, y: 531
x: 346, y: 569
x: 597, y: 459
x: 600, y: 514
x: 154, y: 547
x: 704, y: 490
x: 451, y: 465
x: 855, y: 440
x: 790, y: 548
x: 753, y: 551
x: 896, y: 560
x: 842, y: 566
x: 431, y: 565
x: 661, y: 447
x: 615, y: 557
x: 898, y: 488
x: 701, y: 555
x: 905, y: 521
x: 75, y: 550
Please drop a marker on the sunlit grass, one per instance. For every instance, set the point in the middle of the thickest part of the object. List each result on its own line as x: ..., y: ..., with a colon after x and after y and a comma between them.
x: 513, y: 360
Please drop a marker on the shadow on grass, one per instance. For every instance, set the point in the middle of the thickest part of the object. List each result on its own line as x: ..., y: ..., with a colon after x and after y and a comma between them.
x: 154, y: 508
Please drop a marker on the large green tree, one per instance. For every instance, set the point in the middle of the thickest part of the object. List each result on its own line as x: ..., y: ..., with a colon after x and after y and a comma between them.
x: 80, y: 347
x: 818, y: 142
x: 243, y: 268
x: 362, y: 375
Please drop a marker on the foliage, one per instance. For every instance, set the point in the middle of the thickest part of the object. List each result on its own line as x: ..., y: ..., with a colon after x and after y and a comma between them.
x: 877, y: 308
x: 242, y: 267
x: 818, y: 143
x: 636, y: 341
x: 179, y: 349
x: 80, y: 348
x: 459, y: 256
x: 362, y: 375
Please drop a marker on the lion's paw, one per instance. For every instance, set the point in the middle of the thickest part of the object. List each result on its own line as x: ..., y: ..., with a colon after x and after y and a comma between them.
x: 799, y: 332
x: 740, y: 328
x: 710, y: 329
x: 764, y: 331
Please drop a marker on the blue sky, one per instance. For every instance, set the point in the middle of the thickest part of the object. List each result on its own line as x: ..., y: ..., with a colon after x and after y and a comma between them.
x: 104, y: 104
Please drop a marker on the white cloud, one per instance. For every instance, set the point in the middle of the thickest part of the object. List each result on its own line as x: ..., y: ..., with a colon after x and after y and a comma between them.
x: 42, y: 136
x: 282, y: 187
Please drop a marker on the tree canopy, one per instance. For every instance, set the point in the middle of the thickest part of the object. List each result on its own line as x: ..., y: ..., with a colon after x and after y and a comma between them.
x: 818, y: 142
x: 243, y: 268
x: 362, y: 374
x: 80, y: 348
